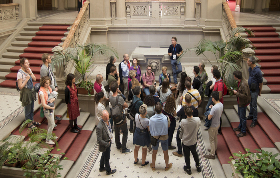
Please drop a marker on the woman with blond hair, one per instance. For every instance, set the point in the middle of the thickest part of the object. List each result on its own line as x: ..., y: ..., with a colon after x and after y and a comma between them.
x: 141, y: 135
x: 164, y: 75
x: 170, y: 111
x: 132, y: 83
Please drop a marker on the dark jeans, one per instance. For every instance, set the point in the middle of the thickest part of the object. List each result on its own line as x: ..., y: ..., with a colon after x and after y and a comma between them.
x: 187, y: 150
x: 253, y: 106
x: 179, y: 143
x: 242, y: 117
x: 105, y: 157
x: 131, y: 126
x: 220, y: 128
x: 29, y: 111
x: 171, y: 130
x: 117, y: 136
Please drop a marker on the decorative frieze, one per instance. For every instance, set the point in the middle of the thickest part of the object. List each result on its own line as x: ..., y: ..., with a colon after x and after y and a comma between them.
x: 9, y: 12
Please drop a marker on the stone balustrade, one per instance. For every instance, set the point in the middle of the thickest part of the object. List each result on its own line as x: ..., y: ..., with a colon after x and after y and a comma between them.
x: 9, y: 12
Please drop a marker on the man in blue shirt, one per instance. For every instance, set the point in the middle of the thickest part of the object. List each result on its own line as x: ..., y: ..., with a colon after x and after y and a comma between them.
x: 255, y: 83
x: 159, y: 124
x: 175, y: 51
x: 125, y: 65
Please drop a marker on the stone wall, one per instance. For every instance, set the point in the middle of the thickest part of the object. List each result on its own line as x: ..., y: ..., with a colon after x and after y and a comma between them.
x: 125, y: 41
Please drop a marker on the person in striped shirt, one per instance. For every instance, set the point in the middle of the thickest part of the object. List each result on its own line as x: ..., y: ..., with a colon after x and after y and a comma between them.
x: 196, y: 98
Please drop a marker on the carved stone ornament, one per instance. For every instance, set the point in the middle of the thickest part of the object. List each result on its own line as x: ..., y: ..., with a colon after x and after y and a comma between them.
x: 57, y: 49
x: 155, y: 65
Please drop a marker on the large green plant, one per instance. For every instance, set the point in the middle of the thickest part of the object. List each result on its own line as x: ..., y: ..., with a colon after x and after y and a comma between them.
x: 257, y: 165
x: 227, y: 54
x: 82, y: 58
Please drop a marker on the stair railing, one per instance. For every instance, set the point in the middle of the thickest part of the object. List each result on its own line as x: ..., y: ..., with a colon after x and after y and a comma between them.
x: 9, y: 12
x: 228, y: 22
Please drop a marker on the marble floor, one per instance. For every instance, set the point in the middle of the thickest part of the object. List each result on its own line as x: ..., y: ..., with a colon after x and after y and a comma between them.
x: 66, y: 16
x: 268, y: 18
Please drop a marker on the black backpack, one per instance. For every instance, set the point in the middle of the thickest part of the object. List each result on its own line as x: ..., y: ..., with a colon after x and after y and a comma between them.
x: 200, y: 89
x: 120, y: 72
x: 132, y: 110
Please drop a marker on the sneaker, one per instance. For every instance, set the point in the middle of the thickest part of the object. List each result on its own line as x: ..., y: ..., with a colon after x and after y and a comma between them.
x: 189, y: 171
x: 236, y: 129
x: 74, y: 130
x: 58, y: 118
x: 175, y: 153
x: 198, y: 168
x: 253, y: 124
x: 241, y: 134
x: 249, y: 118
x: 78, y: 128
x: 126, y: 151
x: 50, y: 142
x: 111, y: 172
x: 171, y: 147
x: 209, y: 156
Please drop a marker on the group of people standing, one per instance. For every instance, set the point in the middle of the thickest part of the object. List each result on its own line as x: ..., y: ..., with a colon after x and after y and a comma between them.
x: 47, y: 94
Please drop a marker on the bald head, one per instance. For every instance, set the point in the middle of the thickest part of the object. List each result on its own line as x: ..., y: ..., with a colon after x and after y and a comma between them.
x: 99, y: 78
x: 125, y: 57
x: 105, y: 115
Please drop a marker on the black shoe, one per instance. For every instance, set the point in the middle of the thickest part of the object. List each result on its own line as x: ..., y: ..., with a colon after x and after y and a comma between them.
x: 74, y: 130
x: 236, y: 129
x: 102, y: 169
x: 136, y: 161
x: 112, y: 172
x: 146, y: 162
x: 249, y: 118
x: 58, y: 118
x: 241, y: 134
x: 126, y: 151
x: 189, y: 171
x: 253, y: 124
x: 78, y: 128
x: 171, y: 147
x: 198, y: 168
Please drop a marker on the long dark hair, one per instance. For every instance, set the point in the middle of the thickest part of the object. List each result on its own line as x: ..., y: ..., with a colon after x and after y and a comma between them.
x: 165, y: 85
x: 98, y: 96
x: 149, y: 100
x: 69, y: 79
x: 182, y: 81
x: 170, y: 105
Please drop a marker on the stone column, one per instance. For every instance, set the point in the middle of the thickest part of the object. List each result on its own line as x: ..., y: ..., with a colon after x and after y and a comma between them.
x: 61, y: 5
x: 258, y: 6
x: 27, y: 8
x: 121, y: 11
x: 107, y: 11
x: 190, y: 9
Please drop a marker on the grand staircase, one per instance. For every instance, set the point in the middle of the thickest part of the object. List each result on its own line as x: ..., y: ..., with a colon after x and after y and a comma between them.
x: 36, y: 38
x: 266, y: 42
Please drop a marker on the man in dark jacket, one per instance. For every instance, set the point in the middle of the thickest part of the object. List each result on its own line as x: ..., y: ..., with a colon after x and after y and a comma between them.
x: 104, y: 138
x: 138, y: 102
x: 243, y: 99
x: 255, y: 83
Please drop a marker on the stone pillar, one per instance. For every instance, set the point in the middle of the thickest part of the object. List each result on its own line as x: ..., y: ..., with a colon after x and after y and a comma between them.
x: 258, y: 6
x: 190, y: 9
x: 61, y: 5
x: 107, y: 11
x: 97, y: 12
x: 27, y: 8
x: 155, y: 12
x: 121, y: 11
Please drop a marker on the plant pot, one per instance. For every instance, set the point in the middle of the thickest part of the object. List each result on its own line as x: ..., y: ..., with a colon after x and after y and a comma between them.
x: 11, y: 164
x: 84, y: 91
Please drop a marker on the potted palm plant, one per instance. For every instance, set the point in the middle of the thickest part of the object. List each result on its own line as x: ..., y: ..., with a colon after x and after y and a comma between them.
x: 82, y: 59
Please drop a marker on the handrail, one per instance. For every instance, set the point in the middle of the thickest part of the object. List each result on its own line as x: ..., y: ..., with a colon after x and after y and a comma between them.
x: 10, y: 4
x: 75, y: 25
x: 229, y: 15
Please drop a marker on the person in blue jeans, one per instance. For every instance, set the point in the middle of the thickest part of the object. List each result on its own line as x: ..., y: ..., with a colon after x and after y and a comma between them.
x: 148, y: 79
x: 243, y: 98
x: 255, y: 83
x: 138, y: 102
x: 25, y: 79
x: 175, y: 51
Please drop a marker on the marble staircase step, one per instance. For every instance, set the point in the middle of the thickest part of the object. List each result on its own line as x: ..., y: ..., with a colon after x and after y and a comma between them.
x: 24, y: 38
x: 3, y: 74
x: 7, y: 61
x: 27, y: 33
x: 11, y: 55
x: 16, y: 49
x: 32, y: 28
x: 20, y: 43
x: 5, y: 68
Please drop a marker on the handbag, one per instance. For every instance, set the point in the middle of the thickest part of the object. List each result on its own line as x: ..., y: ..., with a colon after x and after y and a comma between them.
x: 154, y: 140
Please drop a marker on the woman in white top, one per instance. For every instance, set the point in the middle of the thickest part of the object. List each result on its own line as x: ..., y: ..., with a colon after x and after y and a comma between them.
x: 99, y: 98
x: 164, y: 91
x: 25, y: 79
x: 44, y: 91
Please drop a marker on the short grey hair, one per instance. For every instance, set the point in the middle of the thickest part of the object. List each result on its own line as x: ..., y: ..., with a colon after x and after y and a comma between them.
x: 252, y: 59
x: 98, y: 77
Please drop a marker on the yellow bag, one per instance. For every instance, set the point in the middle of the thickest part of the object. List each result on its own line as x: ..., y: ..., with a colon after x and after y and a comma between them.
x: 67, y: 115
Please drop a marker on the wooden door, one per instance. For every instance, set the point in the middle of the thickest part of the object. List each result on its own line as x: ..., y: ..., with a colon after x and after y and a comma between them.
x: 44, y: 4
x: 274, y: 5
x: 6, y: 1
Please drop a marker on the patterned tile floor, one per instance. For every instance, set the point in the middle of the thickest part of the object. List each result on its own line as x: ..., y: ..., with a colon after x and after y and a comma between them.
x: 10, y: 106
x: 275, y: 103
x: 125, y: 167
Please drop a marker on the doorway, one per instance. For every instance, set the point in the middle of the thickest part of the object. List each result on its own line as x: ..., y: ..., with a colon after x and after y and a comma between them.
x: 274, y: 5
x: 44, y: 4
